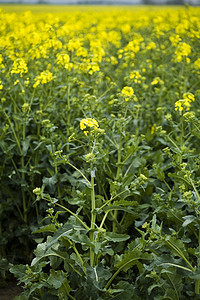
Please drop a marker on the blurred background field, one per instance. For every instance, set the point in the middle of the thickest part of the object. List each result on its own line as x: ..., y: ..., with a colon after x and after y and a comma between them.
x: 62, y: 9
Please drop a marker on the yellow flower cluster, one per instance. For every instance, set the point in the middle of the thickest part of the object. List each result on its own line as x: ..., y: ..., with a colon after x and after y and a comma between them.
x: 197, y: 64
x: 157, y: 80
x: 1, y: 85
x: 64, y: 61
x: 188, y: 98
x: 183, y: 50
x: 135, y: 76
x: 127, y: 92
x: 19, y: 67
x: 44, y: 77
x: 89, y: 122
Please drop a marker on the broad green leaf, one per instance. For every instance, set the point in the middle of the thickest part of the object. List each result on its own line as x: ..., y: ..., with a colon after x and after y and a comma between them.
x: 25, y: 145
x: 70, y: 231
x: 48, y: 228
x: 188, y: 219
x: 125, y: 203
x: 124, y: 290
x: 129, y: 259
x: 116, y: 237
x: 55, y: 278
x: 50, y: 181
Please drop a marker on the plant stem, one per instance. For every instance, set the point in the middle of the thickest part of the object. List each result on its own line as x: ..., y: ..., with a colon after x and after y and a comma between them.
x: 93, y: 216
x: 73, y: 214
x: 116, y: 178
x: 179, y: 252
x: 79, y: 172
x: 103, y: 220
x: 68, y: 113
x: 121, y: 268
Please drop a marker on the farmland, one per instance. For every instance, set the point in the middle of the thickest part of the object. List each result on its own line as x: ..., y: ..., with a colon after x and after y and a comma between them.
x: 99, y: 151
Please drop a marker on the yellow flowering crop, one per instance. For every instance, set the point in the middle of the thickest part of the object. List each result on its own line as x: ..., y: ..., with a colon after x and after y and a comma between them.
x: 127, y: 92
x: 185, y: 102
x: 89, y: 122
x: 19, y: 67
x: 44, y: 77
x: 183, y: 50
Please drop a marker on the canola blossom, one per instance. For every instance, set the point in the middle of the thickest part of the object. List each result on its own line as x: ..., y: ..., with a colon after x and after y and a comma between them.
x: 188, y: 98
x: 89, y: 122
x: 127, y: 92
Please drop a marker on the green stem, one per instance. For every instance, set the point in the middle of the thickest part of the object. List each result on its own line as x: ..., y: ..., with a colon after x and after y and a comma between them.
x: 179, y: 252
x: 68, y: 113
x: 69, y: 211
x: 22, y: 162
x: 23, y: 193
x: 93, y: 217
x: 14, y: 133
x: 23, y: 174
x: 121, y: 268
x: 103, y: 220
x: 197, y: 282
x: 79, y: 172
x: 111, y: 199
x: 119, y: 159
x: 80, y: 258
x: 116, y: 178
x: 68, y: 294
x: 78, y: 255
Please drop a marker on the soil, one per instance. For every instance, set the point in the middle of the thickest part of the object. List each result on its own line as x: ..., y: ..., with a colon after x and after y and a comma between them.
x: 9, y: 291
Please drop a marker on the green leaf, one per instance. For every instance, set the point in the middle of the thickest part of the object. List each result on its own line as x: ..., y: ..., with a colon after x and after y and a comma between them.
x: 18, y: 270
x: 25, y: 145
x: 71, y: 232
x: 50, y: 181
x: 116, y: 237
x: 153, y: 286
x: 125, y: 203
x: 195, y: 275
x: 63, y: 231
x: 41, y: 252
x: 188, y: 219
x: 48, y: 228
x: 129, y: 259
x: 55, y: 278
x: 175, y: 281
x: 116, y: 207
x: 124, y: 290
x: 80, y: 237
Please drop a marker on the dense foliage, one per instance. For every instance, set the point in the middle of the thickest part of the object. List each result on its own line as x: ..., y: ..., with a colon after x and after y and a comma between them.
x: 99, y: 152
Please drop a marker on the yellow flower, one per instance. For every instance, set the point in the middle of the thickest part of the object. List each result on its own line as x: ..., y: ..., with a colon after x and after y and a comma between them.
x: 135, y: 76
x: 89, y: 122
x: 197, y: 63
x: 19, y: 67
x: 185, y: 102
x: 182, y: 50
x: 26, y: 108
x: 156, y: 80
x: 189, y: 97
x: 151, y: 45
x: 153, y: 128
x: 44, y: 77
x: 179, y: 105
x: 127, y: 92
